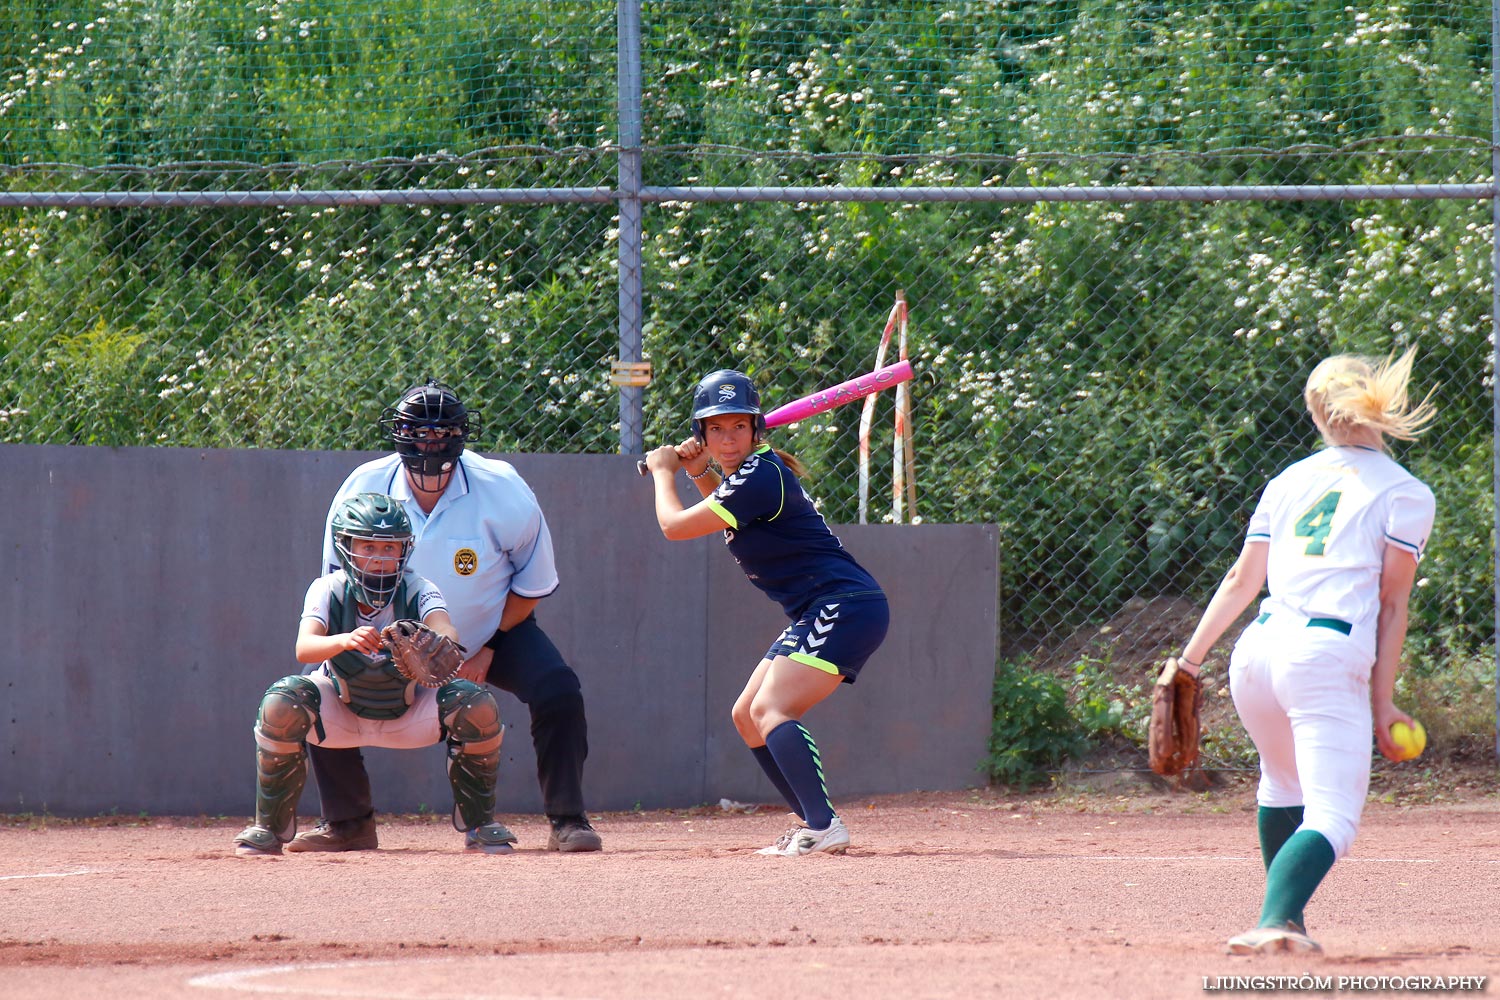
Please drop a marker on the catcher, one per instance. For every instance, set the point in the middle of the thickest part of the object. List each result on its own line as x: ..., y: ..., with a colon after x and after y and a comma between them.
x: 387, y: 656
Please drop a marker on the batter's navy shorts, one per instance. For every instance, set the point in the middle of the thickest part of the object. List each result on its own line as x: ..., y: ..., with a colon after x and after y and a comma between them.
x: 836, y: 634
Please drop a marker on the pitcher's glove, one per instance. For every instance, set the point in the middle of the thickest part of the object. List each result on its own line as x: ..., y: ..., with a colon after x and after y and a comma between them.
x: 421, y: 653
x: 1176, y: 702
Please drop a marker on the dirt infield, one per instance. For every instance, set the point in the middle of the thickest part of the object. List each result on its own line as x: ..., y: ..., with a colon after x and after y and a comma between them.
x: 943, y: 895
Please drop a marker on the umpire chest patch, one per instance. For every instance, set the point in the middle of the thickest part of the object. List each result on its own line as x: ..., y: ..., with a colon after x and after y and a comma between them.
x: 465, y: 562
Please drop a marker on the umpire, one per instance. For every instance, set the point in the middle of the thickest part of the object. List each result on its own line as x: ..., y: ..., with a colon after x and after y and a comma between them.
x: 481, y: 537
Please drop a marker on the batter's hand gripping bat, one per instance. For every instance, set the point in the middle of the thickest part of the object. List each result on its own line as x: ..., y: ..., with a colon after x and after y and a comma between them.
x: 836, y: 395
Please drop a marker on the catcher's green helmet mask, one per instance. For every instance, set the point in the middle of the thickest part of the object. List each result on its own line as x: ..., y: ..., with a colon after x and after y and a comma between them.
x: 378, y: 517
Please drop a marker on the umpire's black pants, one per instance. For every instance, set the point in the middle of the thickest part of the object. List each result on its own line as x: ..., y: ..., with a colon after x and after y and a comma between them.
x: 528, y: 666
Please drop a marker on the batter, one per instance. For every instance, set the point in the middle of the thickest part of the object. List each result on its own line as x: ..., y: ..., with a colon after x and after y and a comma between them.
x: 838, y: 613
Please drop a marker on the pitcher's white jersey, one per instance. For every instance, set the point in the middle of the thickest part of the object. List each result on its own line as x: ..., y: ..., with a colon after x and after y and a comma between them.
x: 485, y: 538
x: 1328, y: 519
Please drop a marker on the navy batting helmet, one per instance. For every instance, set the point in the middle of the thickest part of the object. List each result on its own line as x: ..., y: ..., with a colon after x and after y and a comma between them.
x: 726, y: 391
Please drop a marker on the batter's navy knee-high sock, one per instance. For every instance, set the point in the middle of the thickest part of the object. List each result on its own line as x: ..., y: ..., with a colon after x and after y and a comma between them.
x: 1294, y: 876
x: 768, y: 764
x: 797, y: 756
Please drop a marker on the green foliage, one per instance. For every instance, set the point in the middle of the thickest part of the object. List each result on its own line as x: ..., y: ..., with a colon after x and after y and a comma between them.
x: 1104, y: 705
x: 1229, y: 747
x: 1454, y: 699
x: 1033, y: 730
x: 163, y: 81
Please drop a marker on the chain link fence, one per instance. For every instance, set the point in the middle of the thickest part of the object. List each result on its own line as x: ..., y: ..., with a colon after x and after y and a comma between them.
x: 1126, y: 233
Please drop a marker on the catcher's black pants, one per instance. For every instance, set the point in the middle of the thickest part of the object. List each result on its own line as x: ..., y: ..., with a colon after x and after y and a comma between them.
x: 528, y: 666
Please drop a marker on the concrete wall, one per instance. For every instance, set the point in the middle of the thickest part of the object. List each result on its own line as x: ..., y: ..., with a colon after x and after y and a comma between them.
x: 153, y: 594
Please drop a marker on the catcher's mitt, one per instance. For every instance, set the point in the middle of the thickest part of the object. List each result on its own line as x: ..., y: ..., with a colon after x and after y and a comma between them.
x: 421, y: 653
x: 1175, y: 704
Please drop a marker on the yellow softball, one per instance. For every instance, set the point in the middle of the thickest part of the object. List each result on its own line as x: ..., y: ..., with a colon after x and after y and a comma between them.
x: 1412, y: 740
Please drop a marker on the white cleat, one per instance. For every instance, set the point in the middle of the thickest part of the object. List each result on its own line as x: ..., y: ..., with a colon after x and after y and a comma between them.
x: 785, y: 840
x: 1268, y: 940
x: 800, y: 840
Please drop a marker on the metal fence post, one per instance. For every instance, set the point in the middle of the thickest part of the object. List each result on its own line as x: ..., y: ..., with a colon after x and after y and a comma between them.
x: 1495, y: 327
x: 629, y: 201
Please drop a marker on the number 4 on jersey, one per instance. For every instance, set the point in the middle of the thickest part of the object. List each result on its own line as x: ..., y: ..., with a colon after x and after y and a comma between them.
x: 1318, y: 522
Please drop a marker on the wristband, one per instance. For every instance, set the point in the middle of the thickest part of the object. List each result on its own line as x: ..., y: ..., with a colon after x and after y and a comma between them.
x: 706, y: 471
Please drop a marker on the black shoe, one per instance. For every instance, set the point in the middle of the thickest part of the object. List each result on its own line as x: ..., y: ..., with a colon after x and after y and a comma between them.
x: 572, y: 834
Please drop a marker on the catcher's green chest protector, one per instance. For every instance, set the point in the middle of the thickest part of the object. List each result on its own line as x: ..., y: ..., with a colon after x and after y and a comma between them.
x: 370, y: 685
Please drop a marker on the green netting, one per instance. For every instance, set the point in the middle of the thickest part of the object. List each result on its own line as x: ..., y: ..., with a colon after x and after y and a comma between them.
x: 169, y: 81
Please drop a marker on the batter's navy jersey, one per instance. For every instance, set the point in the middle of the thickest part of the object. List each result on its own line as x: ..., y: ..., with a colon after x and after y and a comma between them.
x: 779, y: 538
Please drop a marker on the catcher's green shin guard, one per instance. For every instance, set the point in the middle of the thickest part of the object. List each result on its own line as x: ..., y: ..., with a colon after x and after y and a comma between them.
x: 471, y: 718
x: 287, y: 713
x: 279, y: 781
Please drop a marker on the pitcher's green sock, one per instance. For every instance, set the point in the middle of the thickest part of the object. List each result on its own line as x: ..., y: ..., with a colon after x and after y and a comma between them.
x: 1275, y: 824
x: 1294, y: 875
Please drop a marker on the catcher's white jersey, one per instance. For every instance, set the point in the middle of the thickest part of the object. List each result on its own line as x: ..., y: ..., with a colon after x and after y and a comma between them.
x: 1329, y: 519
x: 485, y: 538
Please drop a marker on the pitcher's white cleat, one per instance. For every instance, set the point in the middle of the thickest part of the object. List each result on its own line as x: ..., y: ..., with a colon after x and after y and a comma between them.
x: 1265, y: 940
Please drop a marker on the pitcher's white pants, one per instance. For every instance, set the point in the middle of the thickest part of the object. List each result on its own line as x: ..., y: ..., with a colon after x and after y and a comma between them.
x: 1303, y: 694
